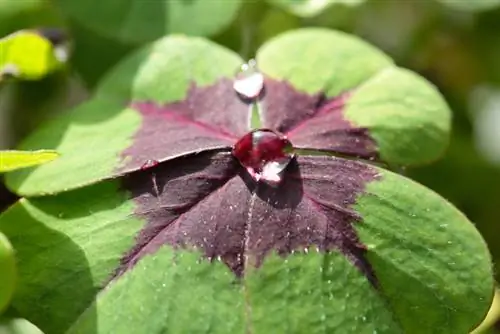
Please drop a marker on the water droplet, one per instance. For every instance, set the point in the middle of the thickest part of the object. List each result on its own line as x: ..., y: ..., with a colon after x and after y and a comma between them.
x: 149, y: 164
x: 9, y: 70
x: 265, y: 154
x: 249, y: 82
x: 61, y: 53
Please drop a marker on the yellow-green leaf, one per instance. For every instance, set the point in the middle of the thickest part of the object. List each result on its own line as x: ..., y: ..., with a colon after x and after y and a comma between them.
x: 11, y: 160
x: 31, y: 54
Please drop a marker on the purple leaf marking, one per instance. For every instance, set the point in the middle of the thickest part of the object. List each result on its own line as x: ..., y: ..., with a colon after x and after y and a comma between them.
x: 209, y: 118
x: 313, y: 122
x: 200, y: 196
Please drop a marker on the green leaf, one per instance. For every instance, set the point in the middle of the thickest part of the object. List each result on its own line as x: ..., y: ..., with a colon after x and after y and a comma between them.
x: 138, y: 21
x: 405, y: 115
x: 17, y: 326
x: 417, y: 249
x: 471, y: 6
x: 10, y: 8
x: 8, y: 270
x: 12, y: 160
x: 29, y: 55
x: 308, y: 8
x: 106, y: 126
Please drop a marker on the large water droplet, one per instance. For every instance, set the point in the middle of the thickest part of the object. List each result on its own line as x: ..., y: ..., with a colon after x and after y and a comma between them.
x: 249, y: 82
x: 265, y: 154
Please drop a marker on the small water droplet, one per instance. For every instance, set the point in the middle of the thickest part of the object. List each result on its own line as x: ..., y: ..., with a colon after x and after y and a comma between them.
x: 9, y: 70
x: 61, y: 53
x: 249, y: 82
x: 149, y: 164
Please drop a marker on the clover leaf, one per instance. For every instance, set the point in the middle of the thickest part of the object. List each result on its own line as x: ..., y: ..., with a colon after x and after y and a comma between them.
x: 155, y: 224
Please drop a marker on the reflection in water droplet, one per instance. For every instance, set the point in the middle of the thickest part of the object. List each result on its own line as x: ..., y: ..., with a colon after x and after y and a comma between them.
x: 265, y: 154
x: 249, y: 82
x: 149, y: 164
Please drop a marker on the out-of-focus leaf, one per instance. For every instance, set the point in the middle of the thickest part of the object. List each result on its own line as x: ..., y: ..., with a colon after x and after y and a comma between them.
x: 308, y: 8
x: 10, y: 325
x: 12, y: 160
x: 471, y: 5
x: 17, y: 15
x: 138, y: 21
x: 9, y: 8
x: 274, y: 22
x: 7, y: 272
x: 32, y: 54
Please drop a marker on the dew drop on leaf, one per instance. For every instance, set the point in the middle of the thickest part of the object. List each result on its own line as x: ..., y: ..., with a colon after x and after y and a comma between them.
x: 249, y: 82
x: 149, y: 164
x: 265, y: 154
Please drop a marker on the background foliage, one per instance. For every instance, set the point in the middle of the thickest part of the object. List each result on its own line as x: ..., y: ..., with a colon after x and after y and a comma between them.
x: 454, y: 43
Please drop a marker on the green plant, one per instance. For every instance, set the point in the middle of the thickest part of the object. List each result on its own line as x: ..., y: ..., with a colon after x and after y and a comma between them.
x: 9, y: 161
x: 151, y: 215
x: 198, y: 193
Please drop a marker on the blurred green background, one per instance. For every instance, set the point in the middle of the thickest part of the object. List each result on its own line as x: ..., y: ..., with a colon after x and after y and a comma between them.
x: 453, y: 43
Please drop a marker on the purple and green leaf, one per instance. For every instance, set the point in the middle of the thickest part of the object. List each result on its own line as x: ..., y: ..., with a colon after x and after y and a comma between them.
x: 192, y: 243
